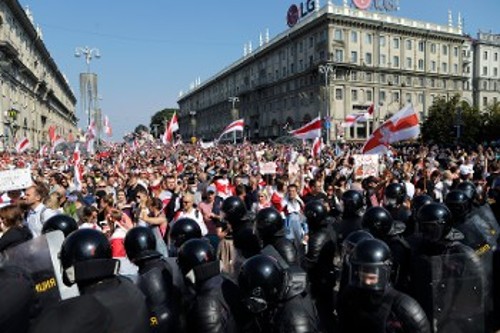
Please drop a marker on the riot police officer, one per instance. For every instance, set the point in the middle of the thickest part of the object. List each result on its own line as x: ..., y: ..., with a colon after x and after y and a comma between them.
x: 263, y: 285
x: 183, y: 230
x: 215, y: 301
x: 240, y: 224
x: 447, y: 276
x: 370, y: 303
x: 416, y: 203
x: 379, y: 222
x: 353, y: 204
x: 394, y: 197
x: 62, y: 222
x: 319, y: 263
x: 270, y: 229
x: 86, y: 260
x: 155, y: 279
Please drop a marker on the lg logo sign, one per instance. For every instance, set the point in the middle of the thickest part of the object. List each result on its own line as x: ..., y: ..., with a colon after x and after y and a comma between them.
x: 296, y: 12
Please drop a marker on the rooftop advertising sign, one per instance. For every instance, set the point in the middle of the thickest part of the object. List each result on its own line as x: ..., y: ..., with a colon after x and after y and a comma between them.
x: 382, y: 5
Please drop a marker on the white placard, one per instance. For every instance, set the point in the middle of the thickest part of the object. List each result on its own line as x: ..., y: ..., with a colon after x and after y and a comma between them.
x: 366, y: 165
x: 268, y: 168
x: 16, y: 179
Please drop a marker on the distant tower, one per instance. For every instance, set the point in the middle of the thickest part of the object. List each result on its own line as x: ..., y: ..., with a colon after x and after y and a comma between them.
x: 261, y: 41
x: 450, y: 19
x: 245, y: 50
x: 267, y: 36
x: 460, y: 23
x: 250, y: 47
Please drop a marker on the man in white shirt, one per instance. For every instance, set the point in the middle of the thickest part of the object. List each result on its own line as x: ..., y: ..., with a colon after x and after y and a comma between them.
x: 37, y: 213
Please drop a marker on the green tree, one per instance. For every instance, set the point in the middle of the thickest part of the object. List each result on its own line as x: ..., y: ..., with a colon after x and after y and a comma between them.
x: 491, y: 121
x: 159, y: 119
x: 441, y: 125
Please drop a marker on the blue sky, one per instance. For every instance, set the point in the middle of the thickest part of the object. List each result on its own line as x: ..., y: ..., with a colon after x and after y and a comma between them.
x: 152, y: 49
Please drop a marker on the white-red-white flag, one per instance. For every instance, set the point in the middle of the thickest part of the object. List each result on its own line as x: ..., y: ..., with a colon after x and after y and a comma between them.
x: 317, y: 147
x: 311, y: 130
x: 236, y: 125
x: 23, y: 145
x: 77, y: 168
x: 173, y: 126
x: 403, y: 125
x: 91, y: 129
x: 44, y: 150
x: 107, y: 127
x: 351, y: 119
x: 57, y: 141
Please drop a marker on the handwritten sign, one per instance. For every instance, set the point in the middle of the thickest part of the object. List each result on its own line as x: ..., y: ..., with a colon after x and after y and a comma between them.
x: 366, y: 165
x: 16, y: 179
x: 268, y: 168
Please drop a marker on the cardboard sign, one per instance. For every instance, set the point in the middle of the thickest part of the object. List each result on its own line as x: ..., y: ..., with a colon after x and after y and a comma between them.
x: 293, y: 168
x: 268, y: 168
x: 366, y: 165
x: 16, y: 179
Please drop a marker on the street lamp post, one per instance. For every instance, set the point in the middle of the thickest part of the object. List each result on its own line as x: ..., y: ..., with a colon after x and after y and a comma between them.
x: 326, y: 70
x: 193, y: 123
x: 89, y: 54
x: 234, y: 113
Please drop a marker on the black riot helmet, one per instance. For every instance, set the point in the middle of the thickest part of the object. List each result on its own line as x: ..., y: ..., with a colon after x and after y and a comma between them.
x: 268, y: 222
x: 315, y: 213
x: 370, y: 265
x: 395, y: 194
x: 458, y: 203
x: 378, y: 221
x: 140, y: 244
x: 469, y: 189
x: 353, y: 202
x: 86, y: 257
x: 418, y: 201
x: 352, y: 240
x: 183, y: 230
x: 194, y: 253
x: 434, y: 221
x: 234, y: 210
x: 62, y: 222
x: 262, y: 282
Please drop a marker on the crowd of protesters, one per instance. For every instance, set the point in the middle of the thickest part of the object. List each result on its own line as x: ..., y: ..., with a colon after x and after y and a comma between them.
x: 154, y: 186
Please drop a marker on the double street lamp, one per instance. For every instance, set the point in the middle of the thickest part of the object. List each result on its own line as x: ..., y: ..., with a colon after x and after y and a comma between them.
x: 234, y: 112
x: 326, y: 70
x: 89, y: 54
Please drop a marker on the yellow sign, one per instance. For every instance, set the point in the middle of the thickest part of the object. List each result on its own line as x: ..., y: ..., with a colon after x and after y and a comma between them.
x: 45, y: 285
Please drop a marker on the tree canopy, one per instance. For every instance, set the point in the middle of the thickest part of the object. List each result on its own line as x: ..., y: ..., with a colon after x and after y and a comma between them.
x: 158, y: 121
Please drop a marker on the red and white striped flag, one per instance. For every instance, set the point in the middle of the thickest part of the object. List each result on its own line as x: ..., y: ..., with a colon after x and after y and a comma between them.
x: 107, y: 127
x: 403, y: 125
x: 23, y: 145
x: 173, y: 126
x: 311, y: 130
x: 44, y: 150
x: 57, y: 141
x: 351, y: 119
x: 77, y: 168
x: 236, y: 125
x: 317, y: 147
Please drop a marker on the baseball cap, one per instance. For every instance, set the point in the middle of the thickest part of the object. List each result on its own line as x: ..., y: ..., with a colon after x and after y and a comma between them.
x: 211, y: 188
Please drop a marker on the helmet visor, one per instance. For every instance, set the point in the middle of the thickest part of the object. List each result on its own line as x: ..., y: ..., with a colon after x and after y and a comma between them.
x: 369, y: 276
x: 432, y: 231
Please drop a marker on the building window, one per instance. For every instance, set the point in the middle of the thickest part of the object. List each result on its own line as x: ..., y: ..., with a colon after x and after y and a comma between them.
x: 420, y: 98
x: 368, y: 38
x: 421, y: 81
x: 354, y: 95
x: 395, y: 96
x: 485, y: 85
x: 444, y: 67
x: 408, y: 81
x: 396, y: 79
x: 368, y: 58
x: 354, y: 76
x: 421, y: 64
x: 485, y: 55
x: 495, y: 71
x: 382, y: 41
x: 433, y: 66
x: 339, y: 55
x: 395, y: 61
x: 383, y: 78
x: 408, y: 44
x: 485, y: 101
x: 338, y: 94
x: 485, y: 70
x: 311, y: 42
x: 382, y: 96
x: 433, y: 83
x: 338, y: 34
x: 455, y: 69
x: 433, y: 48
x: 369, y: 77
x: 408, y: 62
x: 369, y: 95
x: 421, y: 46
x: 496, y: 56
x: 445, y: 50
x: 408, y: 98
x: 354, y: 36
x: 395, y: 43
x: 455, y: 84
x: 354, y: 56
x: 383, y: 59
x: 455, y: 51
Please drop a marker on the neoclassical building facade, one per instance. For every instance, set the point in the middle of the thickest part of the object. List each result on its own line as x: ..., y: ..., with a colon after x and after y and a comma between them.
x: 336, y: 60
x: 34, y: 94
